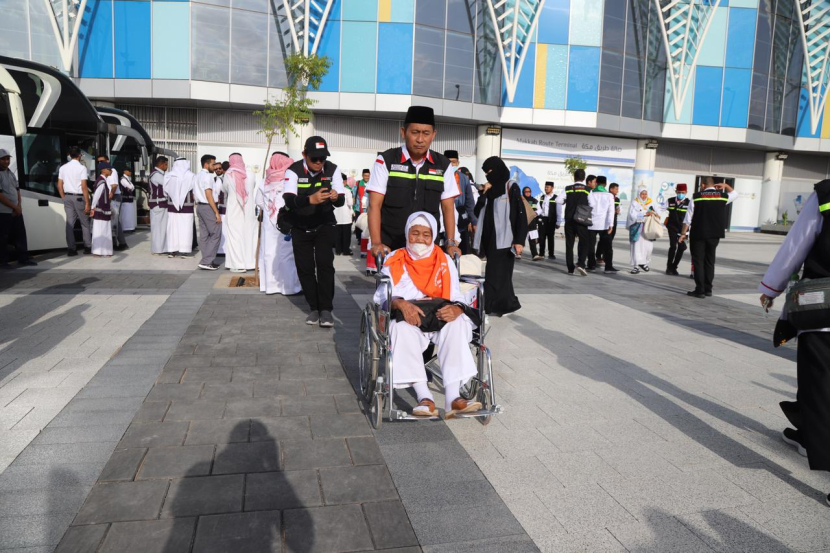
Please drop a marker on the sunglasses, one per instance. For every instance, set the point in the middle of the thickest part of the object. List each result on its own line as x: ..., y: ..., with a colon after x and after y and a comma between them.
x: 319, y: 159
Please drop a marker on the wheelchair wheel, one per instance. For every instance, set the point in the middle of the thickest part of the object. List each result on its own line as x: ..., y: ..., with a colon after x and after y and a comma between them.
x: 376, y: 410
x: 367, y: 366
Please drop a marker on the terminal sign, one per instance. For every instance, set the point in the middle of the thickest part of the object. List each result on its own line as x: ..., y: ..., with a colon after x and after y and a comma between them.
x: 557, y: 147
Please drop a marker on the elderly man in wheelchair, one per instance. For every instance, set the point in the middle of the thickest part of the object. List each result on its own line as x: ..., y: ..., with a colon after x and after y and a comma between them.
x: 428, y: 306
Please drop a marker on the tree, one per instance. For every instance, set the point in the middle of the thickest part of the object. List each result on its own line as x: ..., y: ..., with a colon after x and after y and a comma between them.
x: 574, y: 163
x: 281, y: 117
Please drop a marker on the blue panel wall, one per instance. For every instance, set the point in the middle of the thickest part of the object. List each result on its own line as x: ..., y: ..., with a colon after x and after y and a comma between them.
x: 557, y: 77
x: 132, y: 39
x: 358, y: 56
x: 95, y: 40
x: 736, y: 83
x: 583, y: 78
x: 524, y: 90
x: 395, y: 57
x: 804, y: 128
x: 708, y: 83
x: 553, y: 22
x: 360, y: 10
x: 330, y: 46
x: 403, y: 11
x: 171, y: 40
x: 741, y: 42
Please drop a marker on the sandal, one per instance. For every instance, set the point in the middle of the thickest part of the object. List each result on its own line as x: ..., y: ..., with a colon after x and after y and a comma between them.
x: 426, y: 408
x: 461, y: 405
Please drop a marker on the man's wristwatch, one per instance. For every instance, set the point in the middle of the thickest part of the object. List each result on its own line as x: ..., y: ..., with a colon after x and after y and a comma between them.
x: 452, y: 242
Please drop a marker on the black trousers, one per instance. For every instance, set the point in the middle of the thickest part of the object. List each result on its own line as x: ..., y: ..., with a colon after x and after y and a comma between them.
x: 676, y: 250
x: 547, y: 231
x: 464, y: 243
x: 813, y: 365
x: 572, y: 232
x: 13, y: 231
x: 343, y: 240
x: 314, y: 258
x: 499, y: 296
x: 534, y: 242
x: 703, y: 256
x: 606, y: 247
x: 609, y: 243
x: 592, y: 248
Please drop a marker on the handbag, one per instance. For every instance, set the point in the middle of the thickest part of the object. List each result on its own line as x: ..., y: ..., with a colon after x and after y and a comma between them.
x: 529, y: 211
x: 285, y: 220
x: 652, y: 228
x: 807, y: 304
x: 584, y: 215
x: 430, y: 306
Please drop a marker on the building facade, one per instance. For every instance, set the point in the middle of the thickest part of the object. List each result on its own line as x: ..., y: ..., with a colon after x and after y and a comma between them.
x: 646, y: 91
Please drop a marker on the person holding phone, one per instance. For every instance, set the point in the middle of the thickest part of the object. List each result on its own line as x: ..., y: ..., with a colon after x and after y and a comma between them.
x: 313, y: 188
x: 499, y: 236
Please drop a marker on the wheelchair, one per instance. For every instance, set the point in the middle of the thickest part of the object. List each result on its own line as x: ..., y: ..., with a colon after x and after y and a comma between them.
x: 376, y: 368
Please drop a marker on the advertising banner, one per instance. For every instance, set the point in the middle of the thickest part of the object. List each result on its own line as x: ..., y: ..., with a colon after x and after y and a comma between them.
x: 556, y: 147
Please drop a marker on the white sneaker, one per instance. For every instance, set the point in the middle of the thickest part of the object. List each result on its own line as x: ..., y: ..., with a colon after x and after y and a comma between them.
x: 207, y: 267
x: 582, y: 271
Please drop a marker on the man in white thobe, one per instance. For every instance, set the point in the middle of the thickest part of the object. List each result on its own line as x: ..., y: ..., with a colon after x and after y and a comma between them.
x: 242, y: 226
x: 178, y: 186
x: 158, y: 208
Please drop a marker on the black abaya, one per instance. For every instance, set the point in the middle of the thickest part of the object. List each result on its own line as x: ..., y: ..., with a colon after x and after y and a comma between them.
x: 499, y: 297
x: 814, y: 397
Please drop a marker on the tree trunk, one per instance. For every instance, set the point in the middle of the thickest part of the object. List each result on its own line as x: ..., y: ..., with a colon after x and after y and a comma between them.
x: 267, y: 155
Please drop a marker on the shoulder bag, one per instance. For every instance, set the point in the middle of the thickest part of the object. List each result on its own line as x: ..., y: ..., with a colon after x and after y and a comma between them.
x: 652, y: 228
x: 808, y: 304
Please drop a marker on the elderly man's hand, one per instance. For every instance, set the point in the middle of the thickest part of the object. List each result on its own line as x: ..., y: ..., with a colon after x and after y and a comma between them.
x: 411, y: 312
x: 449, y: 313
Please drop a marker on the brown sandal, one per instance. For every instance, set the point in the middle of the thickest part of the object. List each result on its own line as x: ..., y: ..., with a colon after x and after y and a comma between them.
x: 426, y: 408
x: 461, y: 405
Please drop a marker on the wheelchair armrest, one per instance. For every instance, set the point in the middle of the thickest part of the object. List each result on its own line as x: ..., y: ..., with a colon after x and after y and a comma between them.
x: 471, y: 279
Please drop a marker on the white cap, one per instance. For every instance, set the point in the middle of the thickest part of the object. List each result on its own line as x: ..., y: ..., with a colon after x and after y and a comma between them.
x: 4, y: 153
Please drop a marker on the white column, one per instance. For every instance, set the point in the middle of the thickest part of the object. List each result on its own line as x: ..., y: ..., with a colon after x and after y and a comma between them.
x: 771, y: 188
x: 487, y: 145
x: 644, y: 168
x: 296, y: 143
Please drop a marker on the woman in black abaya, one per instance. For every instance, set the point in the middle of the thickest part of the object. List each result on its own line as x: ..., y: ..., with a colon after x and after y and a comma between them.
x: 502, y: 226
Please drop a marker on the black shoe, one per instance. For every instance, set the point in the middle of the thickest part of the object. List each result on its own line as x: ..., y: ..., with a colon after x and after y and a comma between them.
x: 708, y: 294
x: 71, y: 253
x: 793, y: 437
x: 672, y: 272
x: 611, y: 271
x: 5, y: 265
x: 552, y: 257
x: 695, y: 294
x: 313, y: 318
x: 645, y: 268
x: 27, y: 263
x: 87, y: 251
x: 121, y: 247
x: 349, y: 253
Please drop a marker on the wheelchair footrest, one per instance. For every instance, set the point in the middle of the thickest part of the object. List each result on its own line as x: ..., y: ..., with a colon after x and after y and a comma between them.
x: 398, y: 415
x: 496, y: 410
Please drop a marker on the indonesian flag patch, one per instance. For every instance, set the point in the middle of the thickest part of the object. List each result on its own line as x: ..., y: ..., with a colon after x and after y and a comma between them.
x: 437, y: 172
x: 320, y: 145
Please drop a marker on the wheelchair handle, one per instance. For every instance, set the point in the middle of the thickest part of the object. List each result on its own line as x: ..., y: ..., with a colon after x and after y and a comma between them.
x: 379, y: 260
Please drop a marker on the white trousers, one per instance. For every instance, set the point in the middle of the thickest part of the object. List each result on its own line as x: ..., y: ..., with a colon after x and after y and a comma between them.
x: 128, y: 216
x: 101, y: 237
x: 452, y: 344
x: 158, y: 230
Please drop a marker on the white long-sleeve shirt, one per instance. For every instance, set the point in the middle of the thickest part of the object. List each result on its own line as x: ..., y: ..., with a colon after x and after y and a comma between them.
x: 602, y: 206
x: 543, y: 206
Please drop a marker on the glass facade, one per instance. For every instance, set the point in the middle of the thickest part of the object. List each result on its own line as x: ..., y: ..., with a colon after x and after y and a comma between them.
x: 600, y: 56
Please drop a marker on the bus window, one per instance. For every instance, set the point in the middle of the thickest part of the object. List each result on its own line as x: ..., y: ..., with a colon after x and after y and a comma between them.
x: 41, y: 162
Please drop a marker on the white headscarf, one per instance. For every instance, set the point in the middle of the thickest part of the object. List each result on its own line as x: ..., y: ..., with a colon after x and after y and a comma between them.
x: 424, y: 219
x: 178, y: 182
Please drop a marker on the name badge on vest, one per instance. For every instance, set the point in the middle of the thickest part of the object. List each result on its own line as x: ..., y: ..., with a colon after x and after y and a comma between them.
x: 403, y: 168
x: 302, y: 180
x: 436, y: 172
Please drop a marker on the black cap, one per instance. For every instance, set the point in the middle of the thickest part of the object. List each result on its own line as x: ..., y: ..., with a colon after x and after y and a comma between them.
x: 365, y: 171
x: 420, y: 115
x: 549, y: 183
x: 452, y: 154
x: 103, y: 165
x: 316, y: 146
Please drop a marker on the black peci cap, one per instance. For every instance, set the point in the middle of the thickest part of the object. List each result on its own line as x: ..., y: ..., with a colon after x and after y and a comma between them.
x: 420, y: 115
x: 316, y: 146
x: 549, y: 183
x: 452, y: 154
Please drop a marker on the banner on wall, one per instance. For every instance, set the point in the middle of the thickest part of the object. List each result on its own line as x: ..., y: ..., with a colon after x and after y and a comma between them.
x: 556, y: 147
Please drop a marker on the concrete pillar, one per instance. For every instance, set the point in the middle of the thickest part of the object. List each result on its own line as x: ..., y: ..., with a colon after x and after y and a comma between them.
x: 487, y: 145
x: 296, y: 143
x: 771, y: 188
x: 644, y: 168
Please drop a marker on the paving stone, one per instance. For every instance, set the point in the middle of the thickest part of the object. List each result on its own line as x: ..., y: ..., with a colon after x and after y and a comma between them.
x: 303, y: 372
x: 348, y: 403
x: 257, y: 532
x: 311, y: 405
x: 154, y: 434
x: 152, y: 411
x: 365, y: 451
x: 218, y: 432
x: 282, y: 428
x: 454, y: 526
x: 247, y: 457
x: 309, y: 454
x: 152, y: 536
x: 330, y: 386
x: 340, y: 528
x: 122, y: 465
x: 278, y: 388
x: 389, y: 524
x: 66, y: 499
x: 82, y: 538
x: 202, y: 409
x: 204, y: 495
x: 176, y: 462
x: 122, y: 501
x: 229, y: 390
x: 252, y: 408
x: 282, y: 490
x: 207, y: 374
x: 33, y: 530
x: 357, y: 484
x: 259, y: 373
x: 52, y: 454
x: 77, y: 435
x: 339, y: 426
x: 161, y: 392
